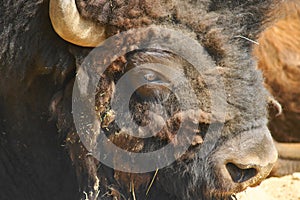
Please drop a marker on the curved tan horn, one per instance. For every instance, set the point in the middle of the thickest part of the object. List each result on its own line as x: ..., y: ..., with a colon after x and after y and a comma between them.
x: 69, y: 25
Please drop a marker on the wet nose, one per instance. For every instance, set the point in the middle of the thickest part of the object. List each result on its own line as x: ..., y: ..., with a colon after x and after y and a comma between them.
x: 247, y: 159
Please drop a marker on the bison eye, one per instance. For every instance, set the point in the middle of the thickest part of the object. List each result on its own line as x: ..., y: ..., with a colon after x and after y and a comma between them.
x: 153, y: 77
x: 150, y: 76
x: 155, y: 84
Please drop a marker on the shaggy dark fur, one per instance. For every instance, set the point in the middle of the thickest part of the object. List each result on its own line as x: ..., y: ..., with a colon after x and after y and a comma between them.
x: 37, y: 72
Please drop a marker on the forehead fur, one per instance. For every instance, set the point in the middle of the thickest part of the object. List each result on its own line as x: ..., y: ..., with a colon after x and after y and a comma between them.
x: 214, y: 22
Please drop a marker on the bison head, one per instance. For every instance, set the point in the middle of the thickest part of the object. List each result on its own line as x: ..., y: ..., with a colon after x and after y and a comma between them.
x: 209, y: 96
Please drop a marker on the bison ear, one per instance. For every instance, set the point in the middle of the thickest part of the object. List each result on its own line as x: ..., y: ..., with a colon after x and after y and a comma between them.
x: 72, y: 27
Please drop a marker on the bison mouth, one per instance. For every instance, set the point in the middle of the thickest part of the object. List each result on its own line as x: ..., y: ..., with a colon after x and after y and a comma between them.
x: 231, y: 167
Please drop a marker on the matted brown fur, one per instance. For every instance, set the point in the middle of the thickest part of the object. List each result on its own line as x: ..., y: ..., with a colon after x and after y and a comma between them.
x: 278, y: 56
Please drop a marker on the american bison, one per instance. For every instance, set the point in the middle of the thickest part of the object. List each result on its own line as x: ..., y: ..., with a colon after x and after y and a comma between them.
x: 44, y: 46
x: 278, y: 55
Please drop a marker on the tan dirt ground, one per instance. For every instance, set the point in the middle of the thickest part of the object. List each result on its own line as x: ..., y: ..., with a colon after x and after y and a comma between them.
x: 283, y: 188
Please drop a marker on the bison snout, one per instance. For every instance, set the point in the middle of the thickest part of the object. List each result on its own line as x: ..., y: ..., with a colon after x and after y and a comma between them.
x: 246, y: 159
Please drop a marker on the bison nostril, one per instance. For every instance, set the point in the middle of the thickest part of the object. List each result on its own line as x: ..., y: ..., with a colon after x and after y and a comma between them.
x: 239, y: 175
